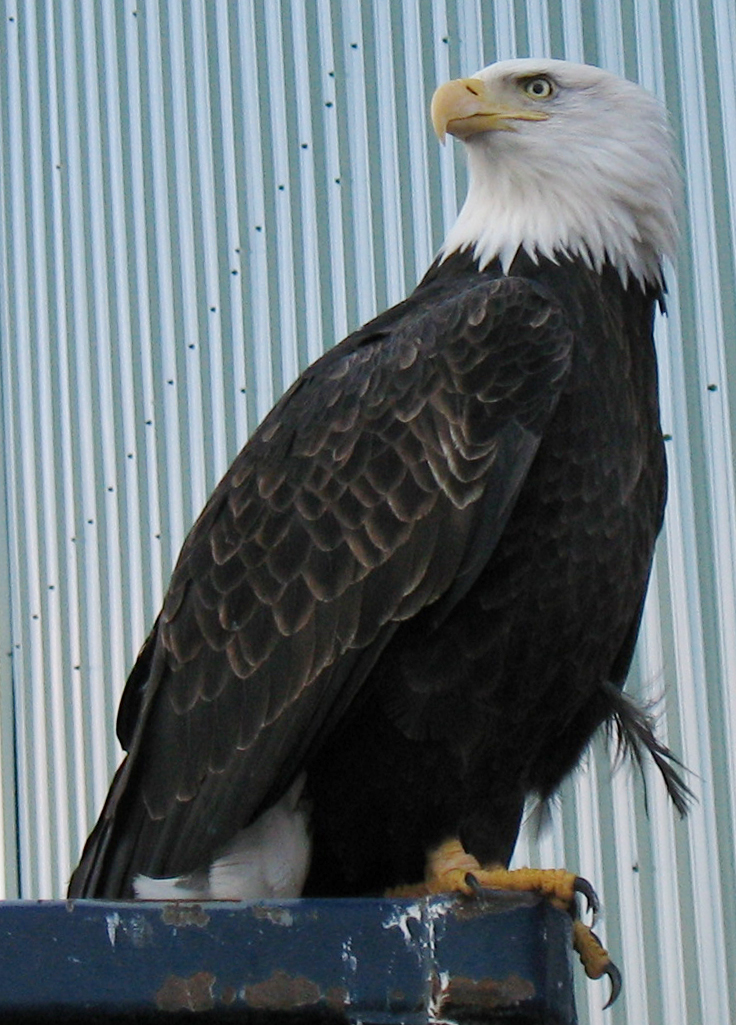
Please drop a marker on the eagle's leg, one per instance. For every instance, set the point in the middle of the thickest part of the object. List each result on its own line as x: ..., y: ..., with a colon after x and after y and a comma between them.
x: 451, y: 869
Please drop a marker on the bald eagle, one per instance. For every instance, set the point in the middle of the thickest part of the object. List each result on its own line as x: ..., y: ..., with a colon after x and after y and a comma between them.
x: 415, y: 594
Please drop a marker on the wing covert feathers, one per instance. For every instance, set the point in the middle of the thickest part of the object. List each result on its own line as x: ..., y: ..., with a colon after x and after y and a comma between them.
x: 387, y: 471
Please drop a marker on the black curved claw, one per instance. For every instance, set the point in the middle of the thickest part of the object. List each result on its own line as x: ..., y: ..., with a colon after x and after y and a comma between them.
x: 614, y: 975
x: 473, y: 883
x: 583, y: 887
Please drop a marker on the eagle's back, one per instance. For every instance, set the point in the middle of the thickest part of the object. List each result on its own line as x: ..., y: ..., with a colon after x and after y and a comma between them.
x: 462, y: 719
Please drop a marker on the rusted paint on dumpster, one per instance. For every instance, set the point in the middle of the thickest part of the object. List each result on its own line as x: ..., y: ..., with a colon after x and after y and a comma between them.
x: 393, y: 962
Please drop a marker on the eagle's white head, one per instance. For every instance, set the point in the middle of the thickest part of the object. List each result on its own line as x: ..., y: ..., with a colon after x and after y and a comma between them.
x: 564, y: 159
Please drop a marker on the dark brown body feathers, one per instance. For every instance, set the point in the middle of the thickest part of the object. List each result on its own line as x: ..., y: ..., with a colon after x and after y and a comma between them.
x: 418, y: 580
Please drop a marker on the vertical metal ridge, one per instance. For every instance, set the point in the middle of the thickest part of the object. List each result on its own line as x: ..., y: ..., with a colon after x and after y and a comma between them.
x: 684, y: 610
x: 234, y: 327
x: 333, y: 165
x: 719, y: 468
x: 393, y: 255
x: 666, y: 961
x: 280, y: 130
x: 145, y: 466
x: 9, y: 827
x: 162, y: 285
x: 55, y: 735
x: 25, y: 504
x: 587, y: 857
x: 356, y: 123
x: 69, y: 496
x: 417, y: 102
x: 572, y: 33
x: 186, y: 354
x: 311, y: 258
x: 260, y: 291
x: 95, y: 294
x: 123, y: 475
x: 447, y: 163
x: 210, y: 343
x: 538, y: 28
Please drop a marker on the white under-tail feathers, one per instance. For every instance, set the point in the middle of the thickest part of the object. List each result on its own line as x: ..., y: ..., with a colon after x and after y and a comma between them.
x: 267, y: 860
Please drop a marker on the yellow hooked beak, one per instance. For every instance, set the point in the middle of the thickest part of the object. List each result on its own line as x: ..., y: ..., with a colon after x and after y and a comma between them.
x: 467, y: 106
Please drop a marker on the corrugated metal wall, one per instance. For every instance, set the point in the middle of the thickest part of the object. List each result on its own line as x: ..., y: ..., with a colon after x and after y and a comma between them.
x: 196, y: 199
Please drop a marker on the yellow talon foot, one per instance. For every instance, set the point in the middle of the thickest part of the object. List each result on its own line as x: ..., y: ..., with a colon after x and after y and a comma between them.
x: 594, y: 958
x: 451, y: 869
x: 448, y: 868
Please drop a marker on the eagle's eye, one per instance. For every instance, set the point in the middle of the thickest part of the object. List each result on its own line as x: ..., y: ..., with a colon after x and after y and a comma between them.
x: 539, y: 88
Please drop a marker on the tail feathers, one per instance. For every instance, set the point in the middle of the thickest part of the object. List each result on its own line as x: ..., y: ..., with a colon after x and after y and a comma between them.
x: 634, y: 726
x: 192, y: 887
x: 269, y: 859
x: 91, y: 878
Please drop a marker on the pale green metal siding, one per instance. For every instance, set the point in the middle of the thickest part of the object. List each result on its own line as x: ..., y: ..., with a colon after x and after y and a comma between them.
x: 196, y: 199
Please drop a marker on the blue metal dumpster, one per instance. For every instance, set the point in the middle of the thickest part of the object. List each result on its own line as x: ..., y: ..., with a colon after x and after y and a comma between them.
x: 497, y: 958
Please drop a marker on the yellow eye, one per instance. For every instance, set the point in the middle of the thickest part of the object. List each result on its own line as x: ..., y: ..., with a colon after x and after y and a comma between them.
x: 539, y: 88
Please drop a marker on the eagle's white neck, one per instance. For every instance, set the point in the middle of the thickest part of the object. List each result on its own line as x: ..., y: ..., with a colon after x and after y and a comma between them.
x: 602, y: 187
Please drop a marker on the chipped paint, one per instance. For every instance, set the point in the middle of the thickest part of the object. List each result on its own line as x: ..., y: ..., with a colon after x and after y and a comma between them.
x: 113, y: 922
x: 284, y: 992
x: 137, y: 929
x: 479, y: 996
x: 438, y: 980
x: 453, y: 997
x: 436, y: 912
x: 437, y: 908
x: 182, y: 915
x: 229, y: 995
x: 408, y: 920
x: 419, y: 960
x: 192, y: 994
x: 276, y: 915
x: 348, y: 957
x: 438, y: 988
x: 494, y: 902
